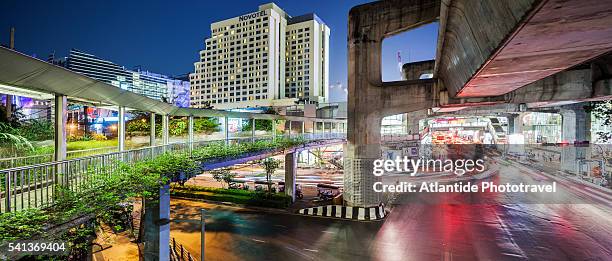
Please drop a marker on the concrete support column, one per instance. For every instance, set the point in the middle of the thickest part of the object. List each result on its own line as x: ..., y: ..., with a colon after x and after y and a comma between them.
x: 511, y: 122
x: 226, y: 130
x: 121, y: 128
x: 518, y: 123
x: 152, y: 131
x: 303, y: 128
x: 290, y: 173
x: 575, y: 128
x: 253, y: 130
x: 61, y: 115
x: 9, y: 106
x: 370, y: 99
x: 165, y: 129
x: 190, y: 138
x: 156, y: 237
x: 412, y: 120
x: 289, y: 129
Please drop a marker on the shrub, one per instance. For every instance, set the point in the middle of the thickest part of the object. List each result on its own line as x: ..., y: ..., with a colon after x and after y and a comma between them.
x: 21, y: 224
x: 246, y: 197
x: 223, y: 175
x: 37, y: 130
x: 98, y: 137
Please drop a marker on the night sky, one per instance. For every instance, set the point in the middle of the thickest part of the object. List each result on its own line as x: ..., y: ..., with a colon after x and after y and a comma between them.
x: 166, y: 36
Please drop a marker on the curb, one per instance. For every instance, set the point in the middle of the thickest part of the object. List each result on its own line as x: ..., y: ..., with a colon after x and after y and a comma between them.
x: 344, y: 212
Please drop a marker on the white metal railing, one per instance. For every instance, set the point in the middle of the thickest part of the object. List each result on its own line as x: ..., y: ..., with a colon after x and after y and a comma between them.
x: 400, y: 137
x: 12, y: 162
x: 33, y: 186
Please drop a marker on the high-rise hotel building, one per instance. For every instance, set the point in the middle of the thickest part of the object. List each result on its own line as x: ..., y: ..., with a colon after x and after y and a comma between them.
x: 265, y: 58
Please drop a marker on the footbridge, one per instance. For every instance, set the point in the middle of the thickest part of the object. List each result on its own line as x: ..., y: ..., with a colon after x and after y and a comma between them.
x: 28, y: 184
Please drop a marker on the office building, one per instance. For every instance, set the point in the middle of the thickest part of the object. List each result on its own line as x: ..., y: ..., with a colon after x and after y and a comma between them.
x: 265, y: 58
x: 153, y: 85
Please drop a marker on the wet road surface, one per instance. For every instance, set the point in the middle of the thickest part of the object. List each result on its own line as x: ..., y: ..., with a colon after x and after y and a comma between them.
x: 573, y: 224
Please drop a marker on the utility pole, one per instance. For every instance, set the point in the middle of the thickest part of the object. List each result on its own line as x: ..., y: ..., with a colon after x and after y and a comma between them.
x: 202, y: 233
x: 9, y: 98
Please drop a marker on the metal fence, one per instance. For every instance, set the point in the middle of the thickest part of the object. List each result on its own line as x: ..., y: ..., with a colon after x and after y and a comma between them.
x: 179, y: 253
x: 12, y: 162
x: 33, y: 186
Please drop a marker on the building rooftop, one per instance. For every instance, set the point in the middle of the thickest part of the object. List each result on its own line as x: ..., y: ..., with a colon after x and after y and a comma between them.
x: 304, y: 18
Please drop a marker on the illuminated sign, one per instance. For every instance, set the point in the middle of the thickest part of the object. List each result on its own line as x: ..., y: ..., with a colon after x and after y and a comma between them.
x: 251, y: 16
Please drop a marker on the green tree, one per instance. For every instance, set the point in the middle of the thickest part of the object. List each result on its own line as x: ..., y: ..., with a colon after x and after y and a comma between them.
x: 177, y: 126
x: 262, y: 125
x: 603, y: 111
x: 205, y: 125
x: 223, y: 175
x: 10, y: 135
x: 270, y: 165
x: 37, y: 130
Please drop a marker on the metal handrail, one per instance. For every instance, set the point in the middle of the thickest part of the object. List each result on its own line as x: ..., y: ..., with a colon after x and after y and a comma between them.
x: 33, y: 185
x: 47, y: 157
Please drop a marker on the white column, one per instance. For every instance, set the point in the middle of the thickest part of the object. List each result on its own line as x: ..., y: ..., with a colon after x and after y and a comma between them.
x: 152, y: 131
x: 253, y: 130
x: 121, y: 128
x: 165, y: 129
x: 226, y: 129
x: 303, y: 128
x: 290, y: 129
x: 60, y: 112
x: 190, y: 132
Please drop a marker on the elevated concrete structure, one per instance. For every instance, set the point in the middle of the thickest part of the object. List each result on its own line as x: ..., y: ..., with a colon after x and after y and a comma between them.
x: 585, y: 83
x: 489, y: 53
x: 490, y: 48
x: 416, y: 70
x: 370, y: 99
x: 290, y: 174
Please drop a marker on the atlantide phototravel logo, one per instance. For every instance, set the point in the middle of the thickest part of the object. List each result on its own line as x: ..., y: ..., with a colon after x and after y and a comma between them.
x: 459, y: 167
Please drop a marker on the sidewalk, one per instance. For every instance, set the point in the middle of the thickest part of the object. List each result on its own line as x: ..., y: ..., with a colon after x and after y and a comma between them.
x: 574, y: 177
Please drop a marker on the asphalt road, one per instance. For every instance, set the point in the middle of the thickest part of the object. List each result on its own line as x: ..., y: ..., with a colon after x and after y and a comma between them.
x: 573, y: 224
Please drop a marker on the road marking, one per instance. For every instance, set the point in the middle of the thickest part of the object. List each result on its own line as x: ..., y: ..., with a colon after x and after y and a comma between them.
x: 311, y: 250
x: 515, y: 249
x: 326, y: 231
x: 598, y: 192
x: 257, y: 240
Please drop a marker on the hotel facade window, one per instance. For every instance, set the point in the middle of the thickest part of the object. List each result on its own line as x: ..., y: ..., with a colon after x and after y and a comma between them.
x: 246, y: 61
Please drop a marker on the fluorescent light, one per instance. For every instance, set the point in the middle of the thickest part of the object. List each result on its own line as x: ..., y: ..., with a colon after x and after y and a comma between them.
x: 18, y: 91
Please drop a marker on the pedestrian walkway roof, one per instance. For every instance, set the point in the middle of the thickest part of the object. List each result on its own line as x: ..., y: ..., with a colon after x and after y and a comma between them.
x: 27, y: 76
